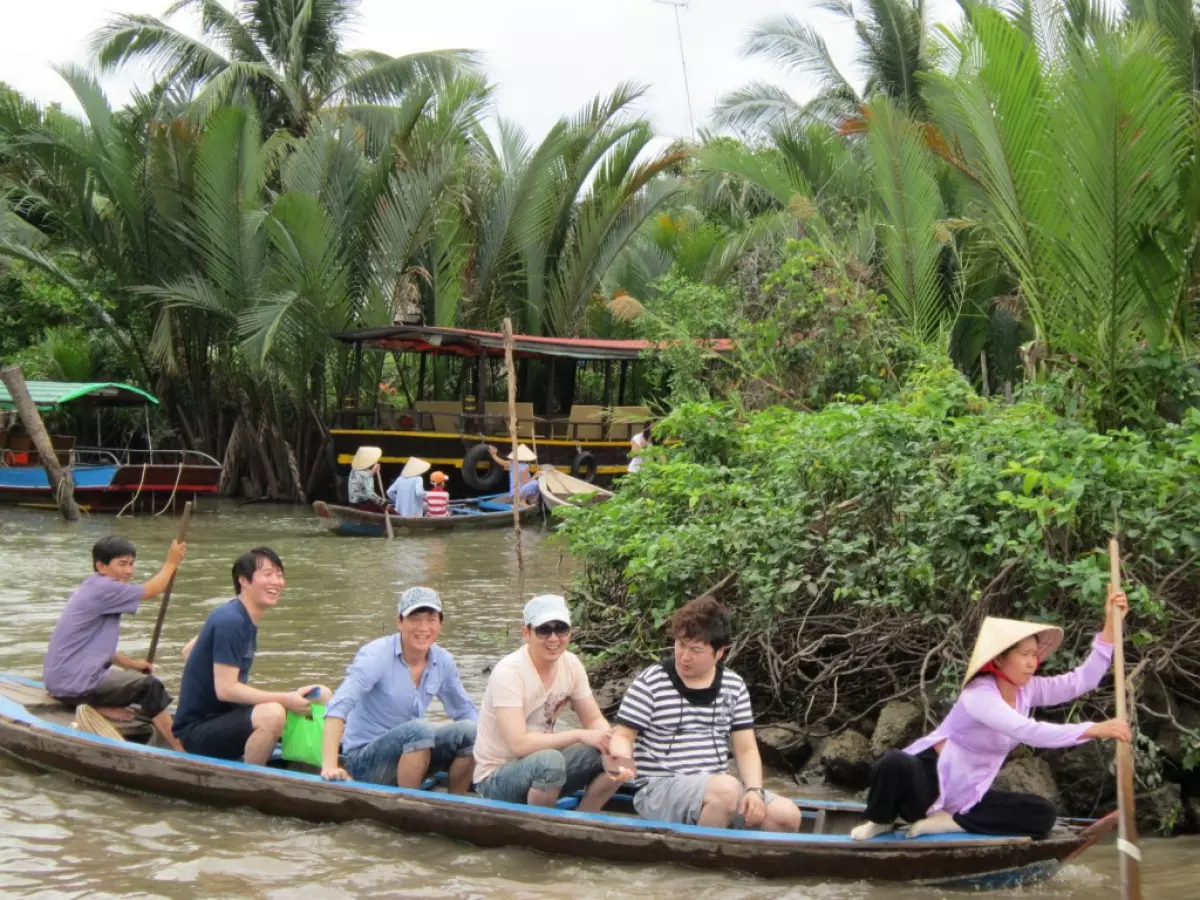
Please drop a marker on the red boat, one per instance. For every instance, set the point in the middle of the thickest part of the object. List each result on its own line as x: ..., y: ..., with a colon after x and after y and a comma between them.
x: 107, y: 479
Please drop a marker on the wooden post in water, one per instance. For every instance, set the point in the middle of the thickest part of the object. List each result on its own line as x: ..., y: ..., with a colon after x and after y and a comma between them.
x: 1128, y: 852
x: 61, y: 484
x: 511, y: 377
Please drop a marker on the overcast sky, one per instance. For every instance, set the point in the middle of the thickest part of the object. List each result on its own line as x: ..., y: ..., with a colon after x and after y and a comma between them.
x: 547, y: 57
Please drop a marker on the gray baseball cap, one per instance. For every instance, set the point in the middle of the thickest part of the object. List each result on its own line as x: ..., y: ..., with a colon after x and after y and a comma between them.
x: 416, y: 598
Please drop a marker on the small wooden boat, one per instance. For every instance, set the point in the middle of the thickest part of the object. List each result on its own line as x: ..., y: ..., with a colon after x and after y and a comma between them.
x: 481, y: 512
x: 35, y: 731
x: 560, y: 489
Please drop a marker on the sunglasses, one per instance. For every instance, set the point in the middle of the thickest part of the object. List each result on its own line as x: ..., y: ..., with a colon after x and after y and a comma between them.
x: 561, y: 629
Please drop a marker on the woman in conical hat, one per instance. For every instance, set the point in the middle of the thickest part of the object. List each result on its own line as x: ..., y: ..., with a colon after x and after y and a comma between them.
x: 407, y: 492
x: 942, y: 783
x: 364, y: 469
x: 521, y: 481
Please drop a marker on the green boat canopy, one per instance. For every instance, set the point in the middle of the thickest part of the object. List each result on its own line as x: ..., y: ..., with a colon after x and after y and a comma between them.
x: 48, y: 395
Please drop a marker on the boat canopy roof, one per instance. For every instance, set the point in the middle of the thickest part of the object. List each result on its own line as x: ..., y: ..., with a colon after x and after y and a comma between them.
x: 48, y: 395
x: 466, y: 342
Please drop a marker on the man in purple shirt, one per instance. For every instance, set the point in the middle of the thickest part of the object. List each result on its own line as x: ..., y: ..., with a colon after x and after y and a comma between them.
x: 82, y: 664
x: 377, y: 715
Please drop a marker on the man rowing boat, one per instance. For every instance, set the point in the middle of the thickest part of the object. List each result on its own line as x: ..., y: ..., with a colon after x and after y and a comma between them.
x: 82, y: 663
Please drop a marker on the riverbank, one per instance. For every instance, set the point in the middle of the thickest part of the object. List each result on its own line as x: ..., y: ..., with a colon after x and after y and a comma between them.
x: 860, y: 547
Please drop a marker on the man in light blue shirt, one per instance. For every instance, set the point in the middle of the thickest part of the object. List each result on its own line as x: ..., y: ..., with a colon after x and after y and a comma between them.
x: 377, y: 715
x: 407, y: 492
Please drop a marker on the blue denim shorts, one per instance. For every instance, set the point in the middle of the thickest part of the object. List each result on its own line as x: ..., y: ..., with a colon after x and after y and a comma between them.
x: 376, y: 762
x: 570, y: 770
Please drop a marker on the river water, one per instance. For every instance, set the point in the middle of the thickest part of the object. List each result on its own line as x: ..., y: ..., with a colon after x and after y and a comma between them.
x: 62, y: 839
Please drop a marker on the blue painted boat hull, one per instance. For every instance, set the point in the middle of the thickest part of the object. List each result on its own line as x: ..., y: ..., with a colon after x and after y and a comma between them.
x: 493, y: 511
x: 974, y: 861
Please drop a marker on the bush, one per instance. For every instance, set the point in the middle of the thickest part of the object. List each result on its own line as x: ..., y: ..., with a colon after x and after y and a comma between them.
x: 863, y: 545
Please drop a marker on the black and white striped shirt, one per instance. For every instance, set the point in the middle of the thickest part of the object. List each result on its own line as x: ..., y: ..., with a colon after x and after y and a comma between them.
x: 682, y: 730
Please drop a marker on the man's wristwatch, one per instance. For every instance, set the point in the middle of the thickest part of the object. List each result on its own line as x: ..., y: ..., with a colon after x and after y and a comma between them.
x: 756, y: 790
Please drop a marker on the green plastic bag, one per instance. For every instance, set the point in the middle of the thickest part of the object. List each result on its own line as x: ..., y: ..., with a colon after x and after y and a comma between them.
x: 302, y: 736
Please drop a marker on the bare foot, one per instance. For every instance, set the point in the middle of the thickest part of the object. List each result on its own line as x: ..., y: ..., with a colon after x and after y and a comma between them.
x: 864, y: 831
x: 939, y: 823
x: 116, y: 713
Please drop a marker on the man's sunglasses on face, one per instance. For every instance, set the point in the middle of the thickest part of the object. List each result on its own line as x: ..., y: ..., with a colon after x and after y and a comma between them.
x: 560, y: 629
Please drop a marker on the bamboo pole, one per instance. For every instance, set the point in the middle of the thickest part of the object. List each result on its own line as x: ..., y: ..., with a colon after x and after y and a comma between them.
x: 387, y: 516
x: 162, y: 609
x: 61, y: 484
x: 1128, y: 852
x: 511, y: 373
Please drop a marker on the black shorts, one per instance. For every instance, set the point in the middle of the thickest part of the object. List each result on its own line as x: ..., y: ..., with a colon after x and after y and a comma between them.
x: 121, y: 687
x: 222, y: 737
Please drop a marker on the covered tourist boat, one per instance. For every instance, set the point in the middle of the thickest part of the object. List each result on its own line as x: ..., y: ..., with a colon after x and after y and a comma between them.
x: 37, y: 731
x: 483, y: 512
x: 107, y: 478
x: 588, y: 440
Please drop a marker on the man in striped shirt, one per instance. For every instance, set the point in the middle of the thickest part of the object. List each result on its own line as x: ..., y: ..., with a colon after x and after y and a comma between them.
x: 676, y: 724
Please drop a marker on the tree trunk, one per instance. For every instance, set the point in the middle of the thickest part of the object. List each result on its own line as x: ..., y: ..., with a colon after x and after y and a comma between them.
x: 60, y: 480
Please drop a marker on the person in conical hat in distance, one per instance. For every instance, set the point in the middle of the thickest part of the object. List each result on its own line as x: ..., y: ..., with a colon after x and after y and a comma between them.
x: 364, y: 470
x: 943, y: 782
x: 521, y: 482
x: 407, y: 492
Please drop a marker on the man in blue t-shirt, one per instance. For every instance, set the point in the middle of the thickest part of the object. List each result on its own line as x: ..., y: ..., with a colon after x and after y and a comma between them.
x: 219, y: 714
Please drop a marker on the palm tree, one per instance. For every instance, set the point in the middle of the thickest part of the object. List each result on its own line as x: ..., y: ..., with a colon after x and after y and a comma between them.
x: 553, y: 218
x: 284, y: 55
x: 894, y: 50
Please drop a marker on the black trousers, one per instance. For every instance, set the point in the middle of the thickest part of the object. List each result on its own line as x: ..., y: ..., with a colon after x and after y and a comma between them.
x: 905, y: 786
x: 121, y: 687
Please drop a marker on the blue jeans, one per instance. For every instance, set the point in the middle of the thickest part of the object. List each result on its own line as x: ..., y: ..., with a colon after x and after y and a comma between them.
x: 376, y: 762
x: 571, y: 770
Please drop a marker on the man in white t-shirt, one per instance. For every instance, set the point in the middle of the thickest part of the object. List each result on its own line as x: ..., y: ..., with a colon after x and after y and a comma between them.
x: 519, y: 757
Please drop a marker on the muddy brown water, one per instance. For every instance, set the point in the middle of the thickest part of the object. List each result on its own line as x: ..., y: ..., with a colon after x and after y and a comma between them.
x: 63, y: 839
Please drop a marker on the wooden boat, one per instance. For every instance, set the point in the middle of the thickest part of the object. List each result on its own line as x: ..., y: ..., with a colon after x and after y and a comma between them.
x: 483, y: 512
x: 107, y: 479
x: 35, y: 731
x: 560, y: 489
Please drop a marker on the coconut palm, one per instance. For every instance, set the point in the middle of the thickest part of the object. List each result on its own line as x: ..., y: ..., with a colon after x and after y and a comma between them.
x: 287, y: 56
x: 894, y: 49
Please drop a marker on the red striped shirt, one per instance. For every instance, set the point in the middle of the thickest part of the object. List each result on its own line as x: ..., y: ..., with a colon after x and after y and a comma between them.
x: 437, y: 504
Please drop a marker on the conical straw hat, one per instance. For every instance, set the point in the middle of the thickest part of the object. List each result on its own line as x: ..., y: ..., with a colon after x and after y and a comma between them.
x: 998, y: 635
x: 524, y: 454
x: 414, y: 466
x: 365, y: 458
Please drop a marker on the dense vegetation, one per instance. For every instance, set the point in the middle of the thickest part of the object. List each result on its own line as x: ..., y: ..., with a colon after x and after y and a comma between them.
x: 962, y: 292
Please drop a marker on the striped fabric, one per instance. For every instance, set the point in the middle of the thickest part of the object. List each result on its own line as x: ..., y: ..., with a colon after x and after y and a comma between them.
x: 681, y: 731
x: 437, y: 503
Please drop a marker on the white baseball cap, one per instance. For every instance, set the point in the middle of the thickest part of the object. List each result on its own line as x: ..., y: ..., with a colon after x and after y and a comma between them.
x: 547, y: 608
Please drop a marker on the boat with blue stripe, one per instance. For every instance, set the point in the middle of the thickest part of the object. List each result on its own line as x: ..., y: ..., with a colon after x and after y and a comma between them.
x: 492, y: 511
x: 37, y: 731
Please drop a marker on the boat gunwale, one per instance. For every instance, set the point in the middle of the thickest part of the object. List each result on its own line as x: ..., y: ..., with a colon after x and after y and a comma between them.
x: 15, y: 715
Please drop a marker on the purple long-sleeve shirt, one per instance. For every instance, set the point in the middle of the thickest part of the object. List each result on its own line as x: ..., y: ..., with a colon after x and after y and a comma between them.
x: 982, y: 729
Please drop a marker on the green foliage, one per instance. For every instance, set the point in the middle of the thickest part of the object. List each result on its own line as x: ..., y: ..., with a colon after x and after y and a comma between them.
x: 811, y: 334
x: 31, y: 302
x: 868, y: 540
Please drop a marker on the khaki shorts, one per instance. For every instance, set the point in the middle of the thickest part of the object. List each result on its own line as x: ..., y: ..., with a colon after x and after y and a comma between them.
x: 679, y: 798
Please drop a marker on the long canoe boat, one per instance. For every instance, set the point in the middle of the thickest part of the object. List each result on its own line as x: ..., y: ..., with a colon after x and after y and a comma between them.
x: 483, y: 512
x: 560, y: 489
x: 36, y: 731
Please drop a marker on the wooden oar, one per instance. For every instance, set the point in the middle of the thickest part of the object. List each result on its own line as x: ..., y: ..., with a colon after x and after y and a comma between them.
x: 162, y: 610
x: 515, y: 464
x: 1128, y: 852
x: 387, y: 517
